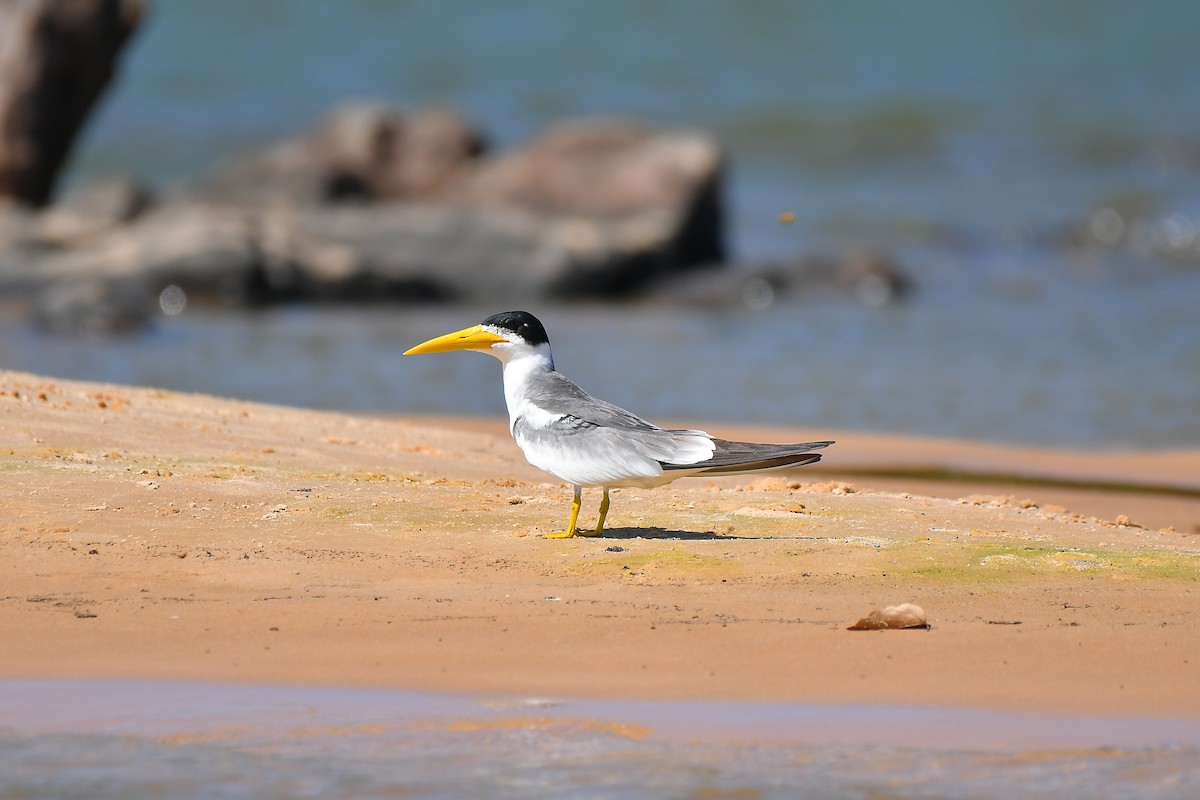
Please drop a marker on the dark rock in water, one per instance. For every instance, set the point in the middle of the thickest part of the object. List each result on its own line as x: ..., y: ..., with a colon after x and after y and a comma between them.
x: 380, y: 252
x: 592, y: 208
x: 376, y: 204
x: 361, y: 151
x: 873, y: 278
x: 56, y: 59
x: 752, y: 288
x: 33, y: 244
x: 91, y: 208
x: 371, y: 150
x: 606, y: 170
x: 416, y: 251
x: 209, y: 254
x: 868, y: 277
x: 85, y: 305
x: 209, y: 251
x: 20, y: 231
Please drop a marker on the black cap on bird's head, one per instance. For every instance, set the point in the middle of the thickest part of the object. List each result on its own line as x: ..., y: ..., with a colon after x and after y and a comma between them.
x: 522, y: 323
x: 507, y: 328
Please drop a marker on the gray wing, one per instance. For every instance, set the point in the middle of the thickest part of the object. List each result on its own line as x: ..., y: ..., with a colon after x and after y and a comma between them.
x: 558, y: 394
x: 598, y: 431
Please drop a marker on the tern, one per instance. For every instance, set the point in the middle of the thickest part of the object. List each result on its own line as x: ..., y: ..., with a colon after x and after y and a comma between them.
x: 588, y: 442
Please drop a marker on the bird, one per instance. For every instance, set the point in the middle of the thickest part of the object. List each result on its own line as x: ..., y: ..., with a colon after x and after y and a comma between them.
x: 588, y: 442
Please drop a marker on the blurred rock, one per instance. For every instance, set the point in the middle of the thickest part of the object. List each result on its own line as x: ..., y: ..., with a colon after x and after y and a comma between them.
x: 209, y: 251
x: 868, y: 277
x: 373, y: 151
x: 422, y: 251
x: 20, y: 229
x: 56, y: 59
x: 82, y: 305
x: 873, y: 278
x: 593, y: 207
x: 753, y: 288
x: 91, y: 208
x: 376, y: 204
x: 361, y: 151
x: 358, y: 252
x: 607, y: 169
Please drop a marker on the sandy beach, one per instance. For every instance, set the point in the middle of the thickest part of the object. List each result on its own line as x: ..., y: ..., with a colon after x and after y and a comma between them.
x: 154, y: 534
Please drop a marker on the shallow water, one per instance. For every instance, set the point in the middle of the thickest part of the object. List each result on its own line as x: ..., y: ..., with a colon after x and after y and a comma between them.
x: 127, y: 739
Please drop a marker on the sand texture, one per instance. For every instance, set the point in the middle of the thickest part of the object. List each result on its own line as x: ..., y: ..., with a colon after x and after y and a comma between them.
x: 152, y: 534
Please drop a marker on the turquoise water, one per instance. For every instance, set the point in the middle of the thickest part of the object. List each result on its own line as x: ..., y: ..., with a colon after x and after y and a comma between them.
x: 977, y: 145
x: 127, y: 739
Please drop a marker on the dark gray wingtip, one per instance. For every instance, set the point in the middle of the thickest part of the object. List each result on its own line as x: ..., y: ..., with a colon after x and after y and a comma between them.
x: 730, y: 456
x: 796, y: 460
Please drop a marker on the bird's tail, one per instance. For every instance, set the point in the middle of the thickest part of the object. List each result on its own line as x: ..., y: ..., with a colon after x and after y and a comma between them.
x: 730, y: 457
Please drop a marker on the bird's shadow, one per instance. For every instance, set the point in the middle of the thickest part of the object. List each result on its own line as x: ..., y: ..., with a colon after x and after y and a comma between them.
x: 664, y: 533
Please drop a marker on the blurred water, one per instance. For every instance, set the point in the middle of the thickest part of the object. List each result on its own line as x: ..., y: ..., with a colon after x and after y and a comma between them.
x: 973, y: 143
x: 1095, y: 373
x: 132, y: 740
x: 859, y: 117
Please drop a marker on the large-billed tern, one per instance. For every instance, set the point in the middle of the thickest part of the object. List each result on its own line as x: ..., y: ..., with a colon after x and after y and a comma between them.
x: 588, y: 442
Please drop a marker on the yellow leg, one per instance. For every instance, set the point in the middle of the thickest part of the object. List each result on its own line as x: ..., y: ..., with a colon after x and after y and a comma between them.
x: 603, y: 513
x: 570, y: 531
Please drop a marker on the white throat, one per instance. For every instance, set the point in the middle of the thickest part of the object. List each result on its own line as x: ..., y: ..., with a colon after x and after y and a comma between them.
x: 521, y: 365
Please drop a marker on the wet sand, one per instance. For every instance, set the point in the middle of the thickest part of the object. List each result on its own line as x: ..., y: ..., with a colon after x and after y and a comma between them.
x: 155, y: 534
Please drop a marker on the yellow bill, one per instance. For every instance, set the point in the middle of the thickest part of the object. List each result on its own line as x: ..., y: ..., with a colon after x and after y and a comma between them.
x: 472, y: 338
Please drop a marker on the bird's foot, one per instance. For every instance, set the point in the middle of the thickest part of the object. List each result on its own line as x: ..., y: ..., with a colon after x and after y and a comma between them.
x: 573, y: 534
